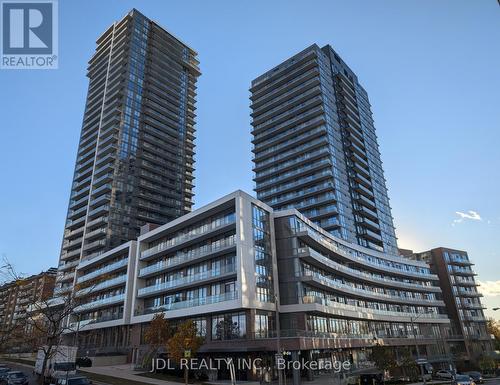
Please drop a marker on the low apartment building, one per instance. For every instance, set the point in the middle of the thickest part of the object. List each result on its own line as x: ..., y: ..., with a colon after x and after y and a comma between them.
x: 16, y: 296
x: 103, y: 299
x: 242, y: 271
x: 468, y: 337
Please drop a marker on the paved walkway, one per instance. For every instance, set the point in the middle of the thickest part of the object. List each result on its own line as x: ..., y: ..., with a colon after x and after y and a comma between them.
x: 126, y: 372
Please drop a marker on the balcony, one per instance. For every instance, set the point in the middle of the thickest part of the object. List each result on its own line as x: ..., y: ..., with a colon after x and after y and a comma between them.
x: 469, y: 293
x: 179, y: 240
x: 94, y: 245
x: 68, y: 265
x: 330, y: 283
x: 186, y: 258
x: 362, y: 312
x: 474, y: 318
x: 62, y: 290
x: 364, y: 259
x: 191, y: 303
x: 96, y: 221
x: 70, y: 254
x: 103, y: 270
x: 100, y: 303
x: 198, y: 279
x: 313, y: 257
x: 467, y: 271
x: 65, y: 277
x: 81, y: 324
x: 122, y: 279
x: 99, y: 210
x: 96, y: 233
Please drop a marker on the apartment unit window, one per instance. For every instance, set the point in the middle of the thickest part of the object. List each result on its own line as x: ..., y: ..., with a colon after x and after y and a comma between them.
x: 229, y: 326
x: 264, y: 324
x: 263, y: 256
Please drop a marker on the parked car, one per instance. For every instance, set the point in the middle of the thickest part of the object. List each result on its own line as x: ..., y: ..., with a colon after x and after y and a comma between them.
x: 71, y: 380
x: 476, y: 376
x: 444, y: 374
x: 3, y: 371
x: 16, y: 378
x: 463, y: 379
x: 83, y: 362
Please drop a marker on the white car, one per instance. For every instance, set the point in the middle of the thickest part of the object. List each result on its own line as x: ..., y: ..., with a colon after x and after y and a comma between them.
x: 444, y: 374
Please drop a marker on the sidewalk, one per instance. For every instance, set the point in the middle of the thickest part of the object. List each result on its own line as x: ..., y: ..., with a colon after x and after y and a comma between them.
x: 125, y: 372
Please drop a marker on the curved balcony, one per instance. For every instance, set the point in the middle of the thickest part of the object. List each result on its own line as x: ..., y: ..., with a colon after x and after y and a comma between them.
x: 328, y: 283
x: 353, y: 256
x: 324, y: 305
x: 312, y: 256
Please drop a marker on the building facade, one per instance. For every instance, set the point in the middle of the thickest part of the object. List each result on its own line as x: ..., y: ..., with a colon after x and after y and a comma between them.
x: 242, y: 271
x: 135, y: 157
x: 468, y: 336
x: 315, y: 148
x: 18, y: 295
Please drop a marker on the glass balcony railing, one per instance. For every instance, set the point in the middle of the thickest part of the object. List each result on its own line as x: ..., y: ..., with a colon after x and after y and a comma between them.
x: 357, y: 273
x: 78, y: 325
x: 334, y: 283
x: 172, y: 242
x: 312, y: 299
x: 186, y: 257
x: 191, y: 303
x: 100, y: 302
x: 199, y: 277
x: 106, y: 269
x: 102, y: 285
x: 367, y: 260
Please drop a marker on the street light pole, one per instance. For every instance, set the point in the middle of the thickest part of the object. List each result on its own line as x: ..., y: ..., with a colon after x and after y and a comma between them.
x: 278, y: 340
x: 412, y: 319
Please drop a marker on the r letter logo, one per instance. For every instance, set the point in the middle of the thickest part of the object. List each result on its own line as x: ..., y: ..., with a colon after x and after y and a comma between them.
x: 29, y: 35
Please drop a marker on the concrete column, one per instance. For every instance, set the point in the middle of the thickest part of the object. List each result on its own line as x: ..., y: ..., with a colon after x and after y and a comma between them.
x: 296, y: 372
x: 310, y: 375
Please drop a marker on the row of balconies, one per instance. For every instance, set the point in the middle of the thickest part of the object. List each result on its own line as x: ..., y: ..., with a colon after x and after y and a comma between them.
x: 208, y: 300
x: 295, y: 82
x: 303, y: 182
x: 294, y: 173
x: 183, y: 238
x: 354, y: 257
x: 100, y: 303
x: 332, y: 284
x: 103, y: 270
x: 337, y: 306
x: 197, y: 279
x: 312, y: 256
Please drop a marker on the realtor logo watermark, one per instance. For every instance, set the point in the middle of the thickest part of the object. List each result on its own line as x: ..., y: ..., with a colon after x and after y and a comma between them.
x: 29, y: 34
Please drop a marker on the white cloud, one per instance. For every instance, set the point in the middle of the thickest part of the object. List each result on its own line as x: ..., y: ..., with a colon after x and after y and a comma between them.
x: 490, y: 288
x: 472, y: 215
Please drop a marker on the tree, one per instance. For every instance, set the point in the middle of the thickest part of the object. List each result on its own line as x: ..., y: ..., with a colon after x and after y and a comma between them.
x: 157, y: 333
x: 384, y: 358
x: 184, y: 344
x: 407, y: 363
x: 493, y: 328
x: 487, y: 364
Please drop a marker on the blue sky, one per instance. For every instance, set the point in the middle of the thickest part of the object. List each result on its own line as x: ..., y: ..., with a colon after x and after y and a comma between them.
x: 431, y: 69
